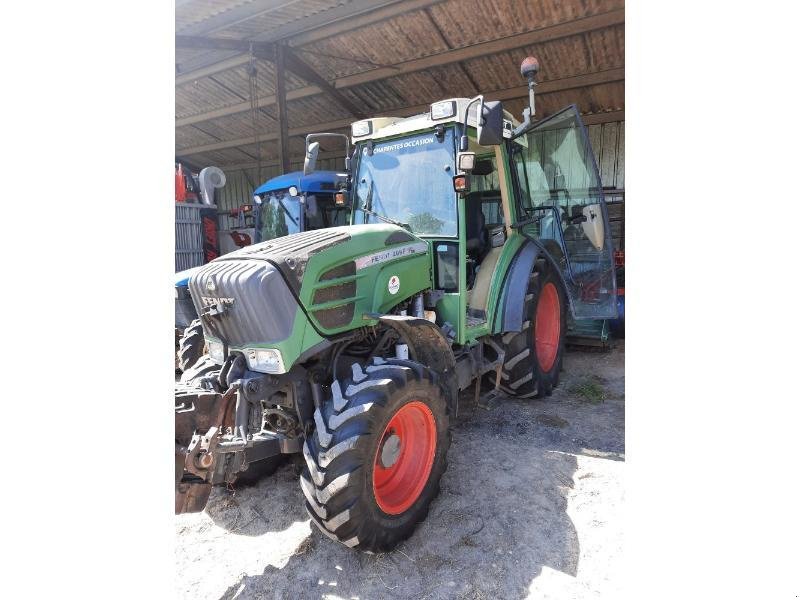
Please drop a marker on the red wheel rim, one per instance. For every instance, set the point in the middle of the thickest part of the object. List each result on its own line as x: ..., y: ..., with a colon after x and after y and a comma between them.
x: 404, y: 458
x: 548, y: 327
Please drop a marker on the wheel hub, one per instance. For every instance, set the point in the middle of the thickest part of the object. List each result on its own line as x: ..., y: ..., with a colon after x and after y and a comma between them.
x: 390, y: 450
x: 547, y: 331
x: 404, y: 458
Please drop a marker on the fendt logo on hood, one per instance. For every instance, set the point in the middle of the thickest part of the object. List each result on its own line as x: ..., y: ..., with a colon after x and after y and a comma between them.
x: 209, y: 301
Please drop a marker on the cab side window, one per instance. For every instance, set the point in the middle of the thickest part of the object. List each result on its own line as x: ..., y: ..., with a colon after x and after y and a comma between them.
x: 486, y: 187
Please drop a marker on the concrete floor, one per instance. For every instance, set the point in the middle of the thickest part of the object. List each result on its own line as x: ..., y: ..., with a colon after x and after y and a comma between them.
x: 531, y: 507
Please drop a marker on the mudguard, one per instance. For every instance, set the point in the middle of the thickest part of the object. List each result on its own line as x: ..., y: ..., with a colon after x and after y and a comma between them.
x: 432, y: 349
x: 512, y: 299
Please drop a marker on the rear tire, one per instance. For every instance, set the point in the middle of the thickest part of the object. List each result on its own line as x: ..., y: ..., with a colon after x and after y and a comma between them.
x: 534, y: 355
x: 192, y: 346
x: 374, y: 462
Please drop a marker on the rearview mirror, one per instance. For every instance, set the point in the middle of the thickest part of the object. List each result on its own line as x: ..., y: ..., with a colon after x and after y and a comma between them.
x: 490, y: 126
x: 310, y: 161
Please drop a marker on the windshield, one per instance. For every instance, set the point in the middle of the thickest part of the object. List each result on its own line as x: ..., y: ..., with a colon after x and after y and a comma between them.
x: 322, y: 211
x: 279, y: 215
x: 410, y: 180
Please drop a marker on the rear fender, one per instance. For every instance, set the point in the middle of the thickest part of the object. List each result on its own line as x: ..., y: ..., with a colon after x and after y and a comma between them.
x: 512, y: 300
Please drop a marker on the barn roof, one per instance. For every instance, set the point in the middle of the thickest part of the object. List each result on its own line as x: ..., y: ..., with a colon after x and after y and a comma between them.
x: 346, y: 59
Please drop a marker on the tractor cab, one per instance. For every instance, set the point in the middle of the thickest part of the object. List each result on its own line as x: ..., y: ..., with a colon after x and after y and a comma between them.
x: 294, y: 202
x: 477, y: 192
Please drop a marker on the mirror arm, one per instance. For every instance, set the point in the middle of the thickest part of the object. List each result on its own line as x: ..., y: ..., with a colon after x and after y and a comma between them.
x: 312, y: 136
x: 464, y: 142
x: 526, y: 122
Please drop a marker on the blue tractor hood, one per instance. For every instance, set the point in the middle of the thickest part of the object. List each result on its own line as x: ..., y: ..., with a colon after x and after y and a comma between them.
x: 182, y: 277
x: 314, y: 183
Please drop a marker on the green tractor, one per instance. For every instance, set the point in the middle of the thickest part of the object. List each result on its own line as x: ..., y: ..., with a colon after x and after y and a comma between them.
x: 471, y: 237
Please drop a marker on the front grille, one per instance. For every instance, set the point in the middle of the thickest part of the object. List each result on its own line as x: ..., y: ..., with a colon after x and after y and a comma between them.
x: 263, y: 308
x: 339, y: 316
x: 334, y: 305
x: 346, y: 270
x: 335, y: 292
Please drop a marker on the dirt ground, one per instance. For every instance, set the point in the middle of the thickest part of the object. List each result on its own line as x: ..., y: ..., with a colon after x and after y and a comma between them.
x: 531, y: 507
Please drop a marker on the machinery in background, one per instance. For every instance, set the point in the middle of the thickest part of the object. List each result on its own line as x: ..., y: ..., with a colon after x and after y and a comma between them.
x: 295, y: 202
x: 240, y: 230
x: 196, y: 241
x: 196, y: 216
x: 618, y: 325
x: 286, y: 204
x: 585, y: 334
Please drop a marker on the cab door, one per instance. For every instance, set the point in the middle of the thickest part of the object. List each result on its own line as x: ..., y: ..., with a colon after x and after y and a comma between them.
x: 560, y: 203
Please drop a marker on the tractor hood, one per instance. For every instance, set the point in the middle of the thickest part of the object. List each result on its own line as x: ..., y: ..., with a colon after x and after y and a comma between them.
x: 182, y: 277
x: 299, y: 289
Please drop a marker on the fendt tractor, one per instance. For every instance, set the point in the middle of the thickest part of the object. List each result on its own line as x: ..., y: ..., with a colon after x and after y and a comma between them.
x: 471, y: 234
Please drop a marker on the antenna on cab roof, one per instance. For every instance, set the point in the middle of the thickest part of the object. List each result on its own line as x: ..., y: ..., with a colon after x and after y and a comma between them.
x: 529, y: 69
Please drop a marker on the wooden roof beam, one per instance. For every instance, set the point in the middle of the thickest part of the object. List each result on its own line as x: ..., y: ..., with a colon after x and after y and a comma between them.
x: 536, y: 36
x: 325, y: 24
x: 303, y: 70
x: 267, y: 50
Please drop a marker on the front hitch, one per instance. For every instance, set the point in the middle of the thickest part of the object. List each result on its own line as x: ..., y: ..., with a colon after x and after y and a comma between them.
x: 208, y: 450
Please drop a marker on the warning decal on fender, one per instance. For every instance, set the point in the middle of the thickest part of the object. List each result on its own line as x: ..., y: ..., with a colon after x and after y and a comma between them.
x: 394, y: 284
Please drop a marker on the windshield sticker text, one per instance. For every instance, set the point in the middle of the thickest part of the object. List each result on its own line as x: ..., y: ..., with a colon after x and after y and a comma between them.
x: 405, y: 144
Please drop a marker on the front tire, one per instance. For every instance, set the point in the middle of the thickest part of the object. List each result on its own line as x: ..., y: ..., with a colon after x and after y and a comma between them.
x: 534, y: 355
x: 374, y: 462
x: 192, y: 346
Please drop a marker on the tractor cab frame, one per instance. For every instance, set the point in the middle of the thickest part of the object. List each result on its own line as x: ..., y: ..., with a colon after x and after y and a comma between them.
x: 479, y: 205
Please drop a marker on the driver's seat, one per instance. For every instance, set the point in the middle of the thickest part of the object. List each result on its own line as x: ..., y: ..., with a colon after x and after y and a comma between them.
x: 477, y: 236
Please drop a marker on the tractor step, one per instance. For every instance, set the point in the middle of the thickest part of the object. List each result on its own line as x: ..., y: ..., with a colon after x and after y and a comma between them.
x: 488, y: 401
x: 475, y: 321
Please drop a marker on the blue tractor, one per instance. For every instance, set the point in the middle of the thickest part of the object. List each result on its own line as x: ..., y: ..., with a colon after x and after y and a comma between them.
x: 283, y: 205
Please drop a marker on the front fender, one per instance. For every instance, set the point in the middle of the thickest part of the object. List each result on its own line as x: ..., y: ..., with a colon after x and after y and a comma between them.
x: 431, y: 348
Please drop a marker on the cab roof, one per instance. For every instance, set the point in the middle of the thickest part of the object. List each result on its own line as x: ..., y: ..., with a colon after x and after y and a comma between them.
x: 316, y: 182
x: 383, y: 127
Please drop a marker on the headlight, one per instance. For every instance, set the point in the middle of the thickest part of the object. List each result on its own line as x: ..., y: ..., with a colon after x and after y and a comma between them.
x: 443, y: 110
x: 216, y: 352
x: 361, y: 128
x: 264, y: 360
